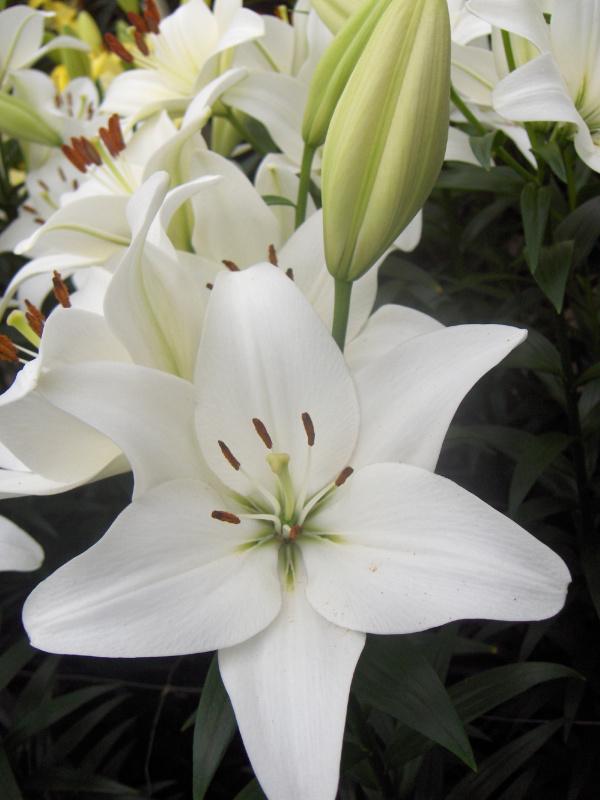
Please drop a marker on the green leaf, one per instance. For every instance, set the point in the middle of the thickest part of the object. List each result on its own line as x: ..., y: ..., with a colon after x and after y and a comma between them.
x: 277, y: 200
x: 482, y: 147
x: 72, y: 737
x: 582, y: 226
x: 13, y: 661
x: 536, y: 353
x: 503, y: 763
x: 467, y: 177
x: 538, y: 454
x: 214, y: 729
x: 251, y: 791
x: 551, y: 153
x: 535, y: 208
x: 394, y: 677
x: 591, y: 374
x: 553, y: 270
x: 477, y: 695
x: 10, y: 789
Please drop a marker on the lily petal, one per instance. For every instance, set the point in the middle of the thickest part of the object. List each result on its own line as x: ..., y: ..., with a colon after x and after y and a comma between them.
x: 523, y: 17
x: 18, y: 550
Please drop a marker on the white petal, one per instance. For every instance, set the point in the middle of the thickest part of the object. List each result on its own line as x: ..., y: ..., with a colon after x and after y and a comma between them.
x: 18, y: 551
x: 21, y: 31
x: 473, y: 73
x: 278, y: 175
x: 289, y: 688
x: 388, y: 327
x: 409, y: 396
x: 16, y: 482
x: 234, y: 29
x: 523, y: 17
x: 410, y: 237
x: 265, y: 354
x: 575, y: 32
x: 166, y: 579
x: 417, y: 551
x: 458, y: 147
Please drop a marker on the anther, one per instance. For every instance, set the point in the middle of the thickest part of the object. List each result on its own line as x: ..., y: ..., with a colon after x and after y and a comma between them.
x: 272, y: 254
x: 226, y: 516
x: 231, y: 265
x: 61, y: 175
x: 309, y: 428
x: 260, y: 428
x: 138, y: 22
x: 114, y: 126
x: 60, y: 290
x: 75, y: 184
x: 294, y: 531
x: 35, y: 318
x: 343, y: 476
x: 29, y: 209
x: 43, y: 185
x: 115, y: 46
x: 8, y: 352
x: 229, y: 455
x: 74, y: 157
x: 209, y: 286
x: 140, y: 43
x: 151, y: 16
x: 290, y: 273
x: 39, y: 220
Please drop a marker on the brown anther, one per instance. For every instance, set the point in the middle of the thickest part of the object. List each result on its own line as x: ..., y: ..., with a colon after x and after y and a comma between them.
x: 343, y: 476
x: 43, y: 185
x: 75, y: 184
x: 260, y: 428
x: 209, y: 285
x: 309, y: 428
x: 115, y: 46
x: 90, y: 111
x: 229, y: 455
x: 91, y: 153
x: 138, y: 22
x: 290, y: 273
x: 151, y: 16
x: 58, y: 100
x: 114, y: 127
x: 39, y: 220
x: 226, y: 516
x: 74, y: 157
x: 60, y: 290
x: 231, y: 265
x: 294, y: 531
x: 8, y: 352
x: 69, y: 99
x: 140, y: 43
x: 29, y: 209
x: 35, y: 318
x: 272, y: 253
x: 61, y: 174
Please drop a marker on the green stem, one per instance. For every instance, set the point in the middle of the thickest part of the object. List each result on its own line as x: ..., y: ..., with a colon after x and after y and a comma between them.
x: 304, y: 186
x: 508, y: 51
x: 341, y: 310
x: 571, y: 187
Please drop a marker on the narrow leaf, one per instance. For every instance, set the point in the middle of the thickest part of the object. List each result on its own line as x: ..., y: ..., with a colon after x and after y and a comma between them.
x: 537, y: 456
x: 482, y: 147
x: 251, y: 791
x: 535, y: 207
x: 13, y: 661
x: 582, y: 226
x: 277, y: 200
x: 551, y: 153
x: 553, y: 270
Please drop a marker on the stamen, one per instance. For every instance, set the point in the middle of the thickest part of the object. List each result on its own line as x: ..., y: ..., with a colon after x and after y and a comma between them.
x: 231, y: 265
x: 74, y: 158
x: 226, y: 516
x: 309, y: 428
x: 61, y: 175
x: 44, y: 185
x: 209, y: 286
x: 272, y: 253
x: 60, y: 289
x: 229, y: 455
x: 152, y: 16
x: 115, y: 46
x: 260, y: 428
x: 343, y: 476
x: 39, y: 221
x: 138, y: 22
x: 29, y: 209
x: 290, y: 273
x: 114, y: 127
x: 17, y: 320
x: 8, y: 351
x: 75, y: 184
x: 141, y: 44
x: 294, y: 531
x: 35, y: 318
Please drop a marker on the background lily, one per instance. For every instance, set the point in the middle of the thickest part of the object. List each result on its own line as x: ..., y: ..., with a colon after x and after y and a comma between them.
x: 281, y: 557
x: 18, y: 551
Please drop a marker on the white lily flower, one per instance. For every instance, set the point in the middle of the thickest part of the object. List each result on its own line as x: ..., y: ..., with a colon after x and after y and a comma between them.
x: 181, y: 58
x: 18, y: 550
x: 561, y: 83
x: 250, y: 535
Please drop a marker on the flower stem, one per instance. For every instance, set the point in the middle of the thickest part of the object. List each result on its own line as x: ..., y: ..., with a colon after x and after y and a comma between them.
x: 307, y: 159
x: 341, y: 310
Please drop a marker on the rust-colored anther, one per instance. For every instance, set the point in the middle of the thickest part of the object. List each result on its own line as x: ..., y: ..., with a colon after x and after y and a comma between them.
x: 343, y: 476
x: 39, y: 220
x: 58, y: 100
x: 226, y: 516
x: 91, y: 153
x: 294, y: 531
x: 74, y: 157
x: 290, y: 273
x: 79, y: 147
x: 231, y: 265
x: 35, y: 318
x: 272, y: 254
x: 61, y: 174
x: 260, y: 428
x: 60, y: 290
x: 151, y: 16
x: 43, y: 185
x: 309, y: 428
x: 104, y: 134
x: 138, y: 22
x: 29, y: 209
x: 114, y: 127
x: 115, y: 46
x: 141, y: 43
x: 229, y: 455
x: 8, y: 352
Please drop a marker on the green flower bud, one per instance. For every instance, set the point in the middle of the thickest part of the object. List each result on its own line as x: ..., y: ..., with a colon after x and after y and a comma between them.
x: 77, y: 62
x: 88, y: 31
x: 334, y: 13
x: 20, y: 120
x: 334, y: 70
x: 387, y: 138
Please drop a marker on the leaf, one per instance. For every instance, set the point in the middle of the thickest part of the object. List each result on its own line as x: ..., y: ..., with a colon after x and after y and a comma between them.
x: 214, y: 729
x: 10, y: 789
x: 503, y: 763
x: 394, y: 677
x: 553, y: 270
x: 482, y: 147
x: 467, y: 177
x: 69, y: 740
x: 477, y: 695
x: 551, y: 153
x: 13, y: 661
x: 591, y: 374
x: 251, y: 791
x: 538, y: 454
x: 582, y: 226
x: 277, y: 200
x: 535, y: 208
x: 536, y: 353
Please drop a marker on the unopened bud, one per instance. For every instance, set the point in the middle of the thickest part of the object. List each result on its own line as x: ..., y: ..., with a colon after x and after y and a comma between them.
x: 19, y: 120
x: 88, y: 31
x: 334, y: 13
x: 387, y: 137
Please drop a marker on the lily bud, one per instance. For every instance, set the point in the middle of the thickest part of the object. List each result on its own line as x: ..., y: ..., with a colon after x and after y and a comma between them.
x: 334, y: 13
x: 77, y: 62
x: 20, y: 120
x: 387, y: 137
x: 88, y: 31
x: 334, y: 70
